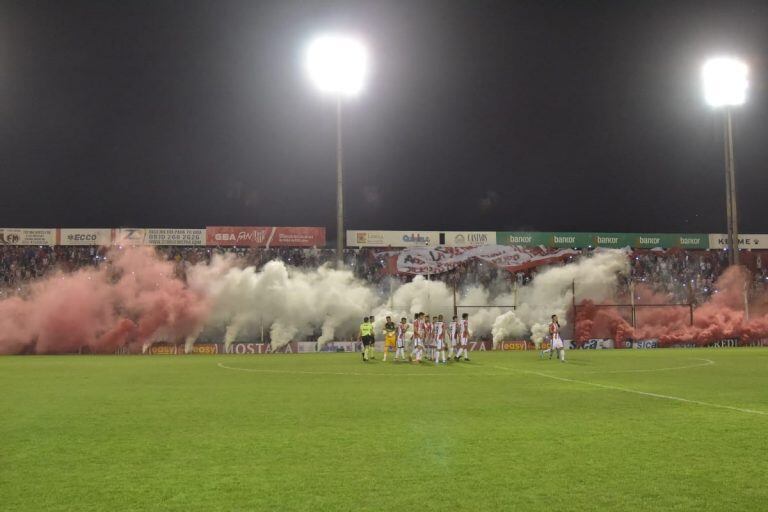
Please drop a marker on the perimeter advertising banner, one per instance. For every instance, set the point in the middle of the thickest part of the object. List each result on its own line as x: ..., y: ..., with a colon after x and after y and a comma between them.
x: 469, y: 238
x: 608, y: 240
x: 271, y: 236
x: 27, y: 236
x: 360, y: 238
x: 294, y: 347
x: 523, y: 238
x: 172, y: 349
x: 259, y: 348
x: 720, y: 241
x: 85, y: 236
x: 672, y: 240
x: 160, y: 236
x: 515, y: 345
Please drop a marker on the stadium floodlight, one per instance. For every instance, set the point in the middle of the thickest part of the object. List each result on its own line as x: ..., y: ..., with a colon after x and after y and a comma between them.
x: 337, y: 64
x: 725, y: 82
x: 725, y: 86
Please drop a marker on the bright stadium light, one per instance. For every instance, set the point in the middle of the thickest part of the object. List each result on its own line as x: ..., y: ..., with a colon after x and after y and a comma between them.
x: 337, y: 64
x: 725, y: 86
x: 725, y: 82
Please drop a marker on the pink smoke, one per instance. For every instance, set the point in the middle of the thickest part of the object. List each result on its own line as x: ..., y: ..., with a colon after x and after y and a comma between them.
x: 722, y: 316
x: 132, y: 299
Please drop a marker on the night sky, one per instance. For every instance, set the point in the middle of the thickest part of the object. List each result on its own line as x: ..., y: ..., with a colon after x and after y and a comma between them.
x: 540, y: 115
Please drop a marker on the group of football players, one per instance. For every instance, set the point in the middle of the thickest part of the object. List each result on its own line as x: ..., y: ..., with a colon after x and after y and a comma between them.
x: 425, y: 338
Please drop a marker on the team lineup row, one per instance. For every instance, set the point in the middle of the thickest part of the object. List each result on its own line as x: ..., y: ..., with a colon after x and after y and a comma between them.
x: 435, y: 339
x: 427, y: 337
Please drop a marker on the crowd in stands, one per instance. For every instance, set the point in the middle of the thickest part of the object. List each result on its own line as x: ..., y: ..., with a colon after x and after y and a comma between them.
x: 22, y: 264
x: 683, y: 276
x: 691, y: 276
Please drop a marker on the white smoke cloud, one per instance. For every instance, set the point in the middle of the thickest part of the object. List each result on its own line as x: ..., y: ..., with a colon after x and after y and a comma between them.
x: 551, y: 293
x: 294, y: 303
x: 286, y: 300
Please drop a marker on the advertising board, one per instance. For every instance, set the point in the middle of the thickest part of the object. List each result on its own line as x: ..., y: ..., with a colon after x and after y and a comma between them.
x: 85, y: 236
x: 469, y: 238
x: 364, y: 238
x: 160, y: 236
x: 265, y: 236
x: 27, y: 236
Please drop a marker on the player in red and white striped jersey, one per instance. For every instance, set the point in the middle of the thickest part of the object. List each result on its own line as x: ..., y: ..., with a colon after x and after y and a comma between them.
x: 463, y: 337
x: 453, y: 336
x: 439, y: 328
x: 418, y: 337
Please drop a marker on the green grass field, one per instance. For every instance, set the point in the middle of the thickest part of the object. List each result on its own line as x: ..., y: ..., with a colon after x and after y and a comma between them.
x: 506, y: 431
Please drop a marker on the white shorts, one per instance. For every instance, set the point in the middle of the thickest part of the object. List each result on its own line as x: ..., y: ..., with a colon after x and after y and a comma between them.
x: 452, y: 342
x: 400, y: 343
x: 418, y: 342
x: 557, y: 343
x: 464, y: 342
x: 440, y: 344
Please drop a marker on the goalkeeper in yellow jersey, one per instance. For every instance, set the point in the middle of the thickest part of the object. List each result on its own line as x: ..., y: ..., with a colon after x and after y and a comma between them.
x: 390, y: 336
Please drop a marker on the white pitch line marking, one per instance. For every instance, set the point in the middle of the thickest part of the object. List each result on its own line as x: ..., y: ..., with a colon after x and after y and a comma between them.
x: 642, y: 393
x: 707, y: 362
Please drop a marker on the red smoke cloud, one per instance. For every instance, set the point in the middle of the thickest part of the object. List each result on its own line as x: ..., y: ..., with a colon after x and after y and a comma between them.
x: 723, y: 316
x: 133, y: 299
x: 600, y: 321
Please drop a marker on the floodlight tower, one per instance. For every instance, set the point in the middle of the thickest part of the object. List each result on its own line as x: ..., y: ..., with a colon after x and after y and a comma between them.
x: 725, y: 86
x: 337, y: 65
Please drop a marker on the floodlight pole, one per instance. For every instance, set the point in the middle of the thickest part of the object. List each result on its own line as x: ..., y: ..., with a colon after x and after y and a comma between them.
x: 339, y: 190
x: 730, y: 193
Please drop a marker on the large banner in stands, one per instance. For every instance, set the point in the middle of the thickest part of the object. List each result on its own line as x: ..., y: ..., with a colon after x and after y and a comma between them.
x: 469, y: 238
x: 271, y: 236
x: 442, y: 259
x: 27, y: 236
x: 85, y: 236
x: 719, y: 241
x: 160, y: 236
x: 358, y: 238
x: 610, y: 240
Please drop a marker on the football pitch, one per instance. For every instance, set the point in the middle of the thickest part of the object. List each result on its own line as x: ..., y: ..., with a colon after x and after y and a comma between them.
x: 608, y: 430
